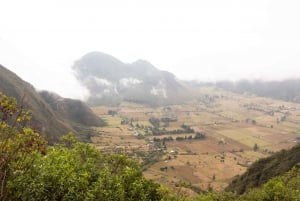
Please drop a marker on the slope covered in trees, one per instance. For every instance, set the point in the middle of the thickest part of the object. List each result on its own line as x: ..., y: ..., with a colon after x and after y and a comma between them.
x: 280, y: 188
x: 264, y: 169
x: 70, y: 170
x: 46, y: 117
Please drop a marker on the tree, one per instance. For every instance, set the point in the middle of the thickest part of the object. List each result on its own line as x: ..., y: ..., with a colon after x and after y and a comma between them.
x: 255, y: 147
x: 155, y: 122
x: 69, y: 170
x: 63, y: 174
x: 17, y: 141
x: 82, y: 173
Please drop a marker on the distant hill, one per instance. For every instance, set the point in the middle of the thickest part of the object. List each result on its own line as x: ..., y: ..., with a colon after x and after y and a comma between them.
x: 74, y: 110
x: 111, y: 81
x: 264, y: 169
x: 73, y: 115
x: 287, y: 90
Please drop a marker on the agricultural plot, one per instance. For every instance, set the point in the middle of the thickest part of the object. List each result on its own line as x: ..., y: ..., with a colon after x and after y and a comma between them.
x: 245, y: 136
x: 201, y: 144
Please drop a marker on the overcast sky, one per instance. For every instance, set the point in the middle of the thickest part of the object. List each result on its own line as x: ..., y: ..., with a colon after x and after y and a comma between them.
x: 194, y: 39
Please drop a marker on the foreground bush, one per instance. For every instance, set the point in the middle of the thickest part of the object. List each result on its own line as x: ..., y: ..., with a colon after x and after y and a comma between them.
x: 71, y: 170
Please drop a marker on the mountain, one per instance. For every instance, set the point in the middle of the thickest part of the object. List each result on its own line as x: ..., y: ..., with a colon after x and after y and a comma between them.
x: 71, y: 115
x: 264, y: 169
x: 111, y: 81
x: 74, y: 110
x: 287, y: 90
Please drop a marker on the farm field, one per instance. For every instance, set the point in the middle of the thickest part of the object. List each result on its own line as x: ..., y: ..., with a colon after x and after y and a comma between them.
x: 201, y: 144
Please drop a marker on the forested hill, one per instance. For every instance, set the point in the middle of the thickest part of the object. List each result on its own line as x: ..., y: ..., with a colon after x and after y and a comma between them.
x: 265, y: 169
x: 288, y: 90
x: 45, y: 119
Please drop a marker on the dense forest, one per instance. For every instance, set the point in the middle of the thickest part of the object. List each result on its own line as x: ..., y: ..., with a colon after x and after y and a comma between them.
x: 71, y: 170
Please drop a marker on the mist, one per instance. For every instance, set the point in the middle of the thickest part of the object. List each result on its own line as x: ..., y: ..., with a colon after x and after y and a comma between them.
x: 195, y: 40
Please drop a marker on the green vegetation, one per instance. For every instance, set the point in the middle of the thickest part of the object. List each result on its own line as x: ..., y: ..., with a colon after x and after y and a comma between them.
x: 17, y: 142
x: 52, y: 115
x: 72, y: 170
x: 264, y: 169
x: 80, y: 173
x: 280, y: 188
x: 255, y: 147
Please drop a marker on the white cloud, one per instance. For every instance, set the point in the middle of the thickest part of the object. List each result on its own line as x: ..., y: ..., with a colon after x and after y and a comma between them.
x: 159, y: 90
x: 101, y: 81
x: 106, y: 91
x: 127, y: 82
x: 193, y: 39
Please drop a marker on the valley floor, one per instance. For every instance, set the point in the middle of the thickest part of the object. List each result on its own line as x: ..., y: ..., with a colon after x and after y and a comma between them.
x: 237, y: 130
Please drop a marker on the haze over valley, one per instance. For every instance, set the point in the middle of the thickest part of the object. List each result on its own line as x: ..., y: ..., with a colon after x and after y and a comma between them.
x: 196, y: 134
x: 205, y: 41
x: 150, y: 100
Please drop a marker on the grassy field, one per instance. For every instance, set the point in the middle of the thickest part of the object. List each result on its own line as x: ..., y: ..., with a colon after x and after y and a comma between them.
x: 245, y: 136
x: 232, y: 124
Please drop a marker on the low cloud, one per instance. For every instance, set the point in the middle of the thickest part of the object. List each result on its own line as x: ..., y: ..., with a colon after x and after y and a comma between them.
x: 159, y: 90
x: 101, y: 81
x: 128, y: 82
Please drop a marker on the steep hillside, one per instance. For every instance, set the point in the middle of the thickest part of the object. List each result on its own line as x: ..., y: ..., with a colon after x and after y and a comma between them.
x: 73, y: 110
x: 111, y: 81
x: 45, y: 119
x: 264, y: 169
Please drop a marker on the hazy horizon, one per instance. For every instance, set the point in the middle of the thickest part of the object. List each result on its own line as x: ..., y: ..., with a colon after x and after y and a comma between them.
x: 195, y: 40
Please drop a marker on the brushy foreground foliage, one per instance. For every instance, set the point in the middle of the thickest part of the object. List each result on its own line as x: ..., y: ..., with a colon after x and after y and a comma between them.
x: 78, y: 171
x: 266, y: 168
x: 16, y: 141
x: 281, y: 188
x: 68, y: 171
x: 71, y: 170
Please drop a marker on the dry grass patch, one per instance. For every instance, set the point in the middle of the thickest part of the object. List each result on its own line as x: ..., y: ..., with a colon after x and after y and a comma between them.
x: 228, y: 147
